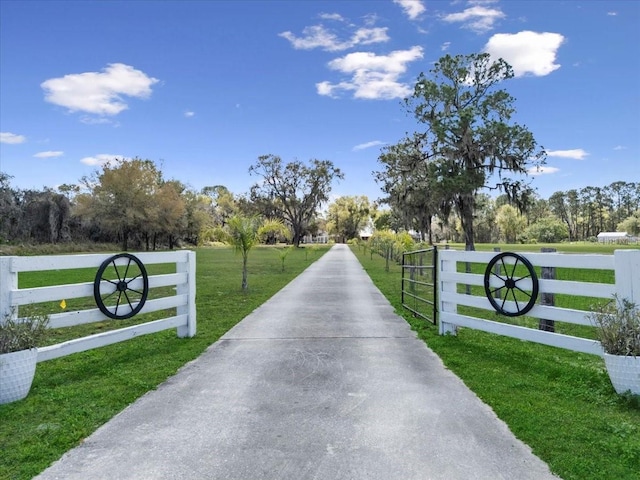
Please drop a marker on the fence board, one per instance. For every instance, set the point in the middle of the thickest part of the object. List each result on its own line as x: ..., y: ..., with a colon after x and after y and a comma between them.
x: 567, y: 315
x: 93, y: 260
x: 523, y: 333
x: 81, y: 317
x: 566, y: 260
x: 108, y: 338
x: 25, y: 296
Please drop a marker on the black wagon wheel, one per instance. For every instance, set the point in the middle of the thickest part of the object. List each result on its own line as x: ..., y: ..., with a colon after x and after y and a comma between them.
x: 121, y: 281
x: 510, y: 274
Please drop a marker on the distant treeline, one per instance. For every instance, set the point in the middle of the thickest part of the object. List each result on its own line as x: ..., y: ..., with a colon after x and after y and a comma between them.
x: 131, y: 204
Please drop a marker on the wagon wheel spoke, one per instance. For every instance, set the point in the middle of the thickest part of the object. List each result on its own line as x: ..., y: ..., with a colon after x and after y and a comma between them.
x: 115, y: 267
x: 504, y: 265
x: 118, y: 303
x: 513, y: 294
x: 133, y: 278
x: 497, y: 289
x: 523, y: 291
x: 128, y: 300
x: 503, y: 301
x: 500, y: 277
x: 109, y: 296
x: 522, y: 278
x: 126, y: 270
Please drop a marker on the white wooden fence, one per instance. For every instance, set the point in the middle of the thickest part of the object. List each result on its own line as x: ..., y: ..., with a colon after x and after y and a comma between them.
x: 12, y: 297
x: 625, y: 263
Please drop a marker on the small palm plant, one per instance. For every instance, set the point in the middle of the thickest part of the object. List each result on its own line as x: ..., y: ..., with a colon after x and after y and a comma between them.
x: 242, y: 233
x: 283, y: 252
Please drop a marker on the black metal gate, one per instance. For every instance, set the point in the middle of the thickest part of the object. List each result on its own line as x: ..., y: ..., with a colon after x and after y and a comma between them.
x: 419, y: 283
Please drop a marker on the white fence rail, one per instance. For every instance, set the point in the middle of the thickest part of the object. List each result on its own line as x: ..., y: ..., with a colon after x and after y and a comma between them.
x: 625, y: 264
x: 184, y: 279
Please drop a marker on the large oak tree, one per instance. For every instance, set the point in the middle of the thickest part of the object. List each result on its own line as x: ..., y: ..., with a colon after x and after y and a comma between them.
x: 469, y: 135
x: 294, y: 190
x: 348, y: 215
x: 120, y: 199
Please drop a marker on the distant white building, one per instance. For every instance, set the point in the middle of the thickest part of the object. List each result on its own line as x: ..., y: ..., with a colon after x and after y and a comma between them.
x: 615, y: 237
x: 366, y: 231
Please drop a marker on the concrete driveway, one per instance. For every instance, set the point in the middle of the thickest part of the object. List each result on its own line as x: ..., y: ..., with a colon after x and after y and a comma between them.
x: 323, y: 381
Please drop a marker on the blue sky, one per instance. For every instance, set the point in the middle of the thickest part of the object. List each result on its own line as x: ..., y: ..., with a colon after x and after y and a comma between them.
x: 205, y: 87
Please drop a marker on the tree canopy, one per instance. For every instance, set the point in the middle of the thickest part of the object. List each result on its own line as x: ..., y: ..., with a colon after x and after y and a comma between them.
x: 348, y: 215
x: 294, y: 190
x: 468, y: 138
x: 120, y: 199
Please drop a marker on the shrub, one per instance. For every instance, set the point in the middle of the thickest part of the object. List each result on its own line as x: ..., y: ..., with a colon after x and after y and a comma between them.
x: 22, y: 334
x: 618, y: 326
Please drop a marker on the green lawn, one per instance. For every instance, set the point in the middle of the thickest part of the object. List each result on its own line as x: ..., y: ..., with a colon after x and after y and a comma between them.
x: 74, y: 395
x: 559, y: 402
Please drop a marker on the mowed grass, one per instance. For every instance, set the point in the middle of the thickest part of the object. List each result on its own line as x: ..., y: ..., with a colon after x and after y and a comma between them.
x: 561, y: 403
x: 72, y: 396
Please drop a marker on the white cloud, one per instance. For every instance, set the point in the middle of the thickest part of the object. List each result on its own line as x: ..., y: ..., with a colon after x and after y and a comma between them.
x: 317, y: 36
x: 612, y: 14
x: 49, y: 154
x: 372, y: 76
x: 12, y: 138
x: 542, y: 170
x: 98, y: 121
x: 101, y: 159
x: 412, y: 8
x: 98, y: 93
x: 476, y: 18
x: 445, y: 46
x: 527, y: 52
x: 576, y: 153
x: 363, y: 146
x: 332, y: 16
x: 189, y: 114
x: 619, y: 147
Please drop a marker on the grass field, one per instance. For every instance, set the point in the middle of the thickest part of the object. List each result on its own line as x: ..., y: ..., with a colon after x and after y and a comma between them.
x: 74, y: 395
x: 559, y: 402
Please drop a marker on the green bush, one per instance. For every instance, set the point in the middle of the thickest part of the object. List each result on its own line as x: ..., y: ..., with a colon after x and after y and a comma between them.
x: 23, y: 334
x: 618, y: 327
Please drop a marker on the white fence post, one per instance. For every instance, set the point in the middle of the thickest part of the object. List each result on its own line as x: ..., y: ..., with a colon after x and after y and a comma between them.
x: 445, y: 266
x: 8, y: 282
x: 189, y: 288
x: 627, y: 267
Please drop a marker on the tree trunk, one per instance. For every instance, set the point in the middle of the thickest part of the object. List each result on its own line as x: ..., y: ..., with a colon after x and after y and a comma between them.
x: 297, y: 236
x: 125, y: 240
x: 465, y: 209
x: 244, y: 273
